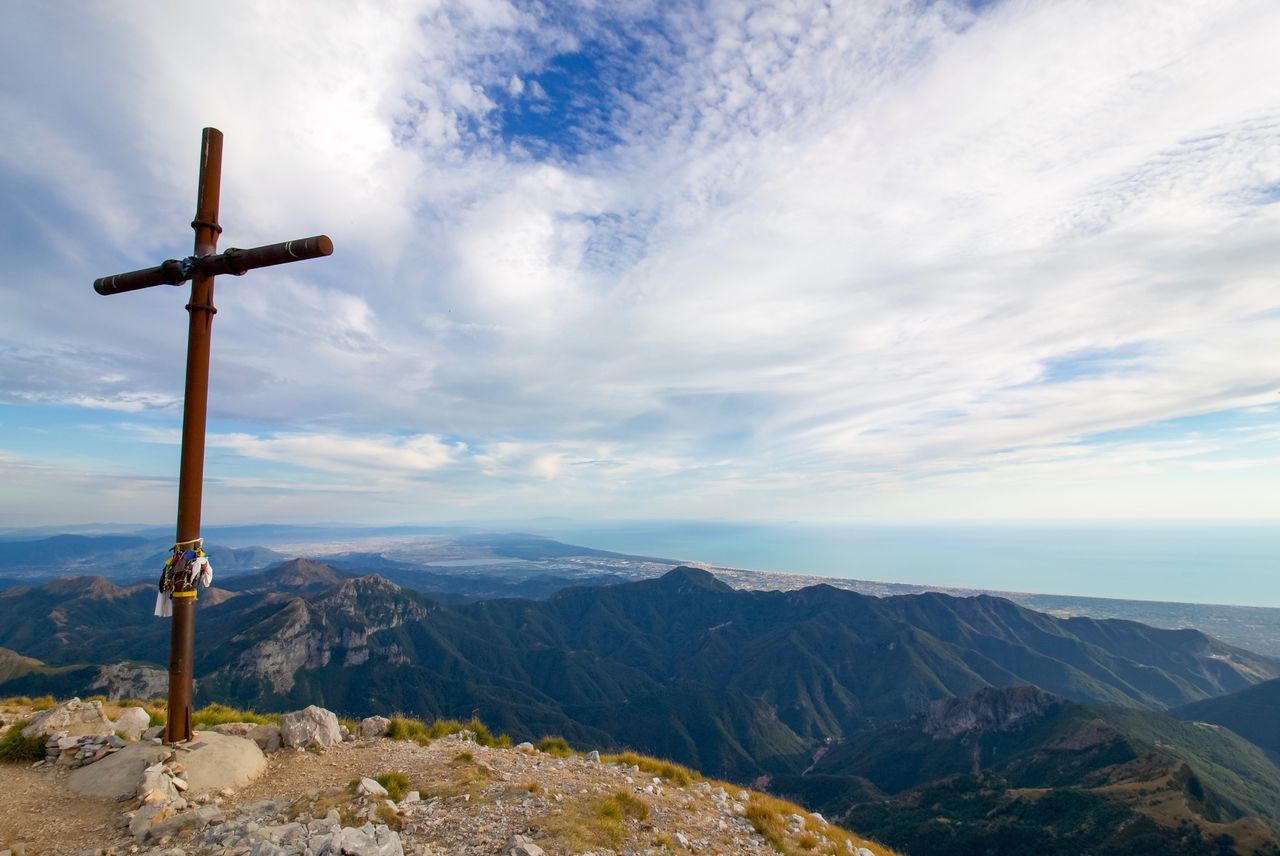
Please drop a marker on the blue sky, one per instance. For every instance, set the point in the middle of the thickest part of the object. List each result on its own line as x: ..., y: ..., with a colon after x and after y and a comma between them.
x: 874, y: 261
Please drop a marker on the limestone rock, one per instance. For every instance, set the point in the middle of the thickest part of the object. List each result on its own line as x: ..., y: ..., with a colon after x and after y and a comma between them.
x: 520, y: 845
x: 75, y: 717
x: 374, y: 726
x: 234, y: 729
x: 123, y: 680
x: 132, y: 722
x: 146, y: 817
x: 312, y: 726
x: 267, y: 737
x: 990, y: 709
x: 175, y: 823
x: 157, y: 786
x: 371, y: 788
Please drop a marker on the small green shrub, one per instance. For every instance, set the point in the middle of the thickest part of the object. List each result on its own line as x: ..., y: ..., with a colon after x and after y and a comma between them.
x: 609, y: 810
x: 404, y: 728
x: 553, y: 745
x: 484, y: 736
x: 16, y: 749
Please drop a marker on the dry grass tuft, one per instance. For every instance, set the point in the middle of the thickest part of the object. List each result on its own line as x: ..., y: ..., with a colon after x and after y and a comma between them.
x: 408, y: 728
x: 396, y: 783
x: 554, y: 745
x: 769, y: 816
x: 669, y: 770
x: 587, y: 824
x: 218, y: 714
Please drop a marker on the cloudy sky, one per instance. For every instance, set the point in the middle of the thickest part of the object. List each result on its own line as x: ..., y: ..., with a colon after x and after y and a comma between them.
x: 866, y: 260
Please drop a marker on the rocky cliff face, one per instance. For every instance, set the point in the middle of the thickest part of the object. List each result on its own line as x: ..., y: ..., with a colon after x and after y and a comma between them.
x: 129, y: 680
x: 310, y: 634
x: 990, y: 709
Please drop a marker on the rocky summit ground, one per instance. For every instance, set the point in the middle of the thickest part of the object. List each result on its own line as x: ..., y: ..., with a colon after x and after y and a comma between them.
x: 449, y: 796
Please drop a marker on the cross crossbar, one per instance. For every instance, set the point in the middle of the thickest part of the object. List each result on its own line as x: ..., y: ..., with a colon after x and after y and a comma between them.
x: 233, y: 261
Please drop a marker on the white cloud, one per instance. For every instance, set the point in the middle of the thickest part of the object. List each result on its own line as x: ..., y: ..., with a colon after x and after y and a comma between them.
x: 369, y: 455
x: 837, y: 245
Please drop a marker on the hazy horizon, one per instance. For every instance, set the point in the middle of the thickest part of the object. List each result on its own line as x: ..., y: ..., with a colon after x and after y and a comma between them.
x: 1210, y: 562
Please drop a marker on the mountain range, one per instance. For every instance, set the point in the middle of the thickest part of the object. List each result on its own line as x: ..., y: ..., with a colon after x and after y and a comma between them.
x: 1018, y: 770
x: 797, y: 687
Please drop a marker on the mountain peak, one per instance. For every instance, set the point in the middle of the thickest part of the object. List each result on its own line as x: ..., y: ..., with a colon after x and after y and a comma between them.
x: 303, y: 572
x: 685, y: 578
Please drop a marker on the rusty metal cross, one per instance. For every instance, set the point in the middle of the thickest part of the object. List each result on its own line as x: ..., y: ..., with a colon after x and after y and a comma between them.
x: 200, y: 268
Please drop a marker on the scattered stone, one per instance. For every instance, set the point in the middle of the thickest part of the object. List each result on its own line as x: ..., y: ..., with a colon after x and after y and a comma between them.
x: 593, y: 756
x: 681, y: 839
x: 368, y: 787
x: 311, y: 727
x: 181, y: 821
x: 525, y: 747
x: 368, y: 840
x: 374, y: 726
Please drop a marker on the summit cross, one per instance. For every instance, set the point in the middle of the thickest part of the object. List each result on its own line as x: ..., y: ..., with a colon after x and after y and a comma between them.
x: 178, y: 580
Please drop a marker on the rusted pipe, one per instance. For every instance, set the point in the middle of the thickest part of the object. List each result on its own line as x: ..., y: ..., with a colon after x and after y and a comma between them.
x: 195, y: 406
x: 239, y: 261
x: 234, y: 261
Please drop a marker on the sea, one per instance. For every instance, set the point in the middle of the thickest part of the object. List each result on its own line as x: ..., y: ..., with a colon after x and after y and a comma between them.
x: 1191, y: 562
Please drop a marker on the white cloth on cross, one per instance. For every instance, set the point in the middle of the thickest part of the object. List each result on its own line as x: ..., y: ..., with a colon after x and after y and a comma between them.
x: 202, y: 571
x: 164, y: 606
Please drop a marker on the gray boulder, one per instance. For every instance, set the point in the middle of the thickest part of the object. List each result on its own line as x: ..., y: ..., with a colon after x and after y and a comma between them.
x: 374, y: 726
x: 311, y: 727
x: 233, y: 729
x: 520, y: 845
x: 75, y: 717
x: 132, y: 722
x: 175, y: 823
x: 369, y: 787
x: 266, y: 736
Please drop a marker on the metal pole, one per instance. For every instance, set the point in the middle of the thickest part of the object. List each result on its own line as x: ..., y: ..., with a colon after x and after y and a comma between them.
x: 195, y: 407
